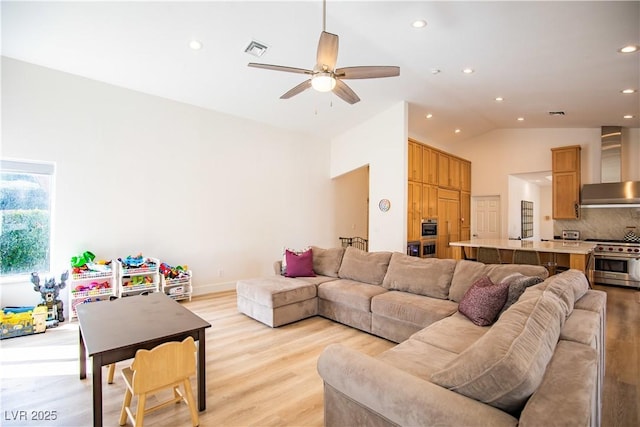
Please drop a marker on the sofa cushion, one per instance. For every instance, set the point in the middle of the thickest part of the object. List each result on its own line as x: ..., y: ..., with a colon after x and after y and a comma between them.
x: 350, y: 293
x: 467, y: 272
x: 518, y: 283
x: 416, y: 309
x: 506, y: 365
x: 593, y: 300
x: 367, y: 267
x: 569, y: 286
x: 326, y: 262
x: 583, y: 326
x: 422, y: 276
x: 299, y: 264
x: 483, y: 301
x: 275, y: 291
x: 418, y: 358
x: 455, y: 334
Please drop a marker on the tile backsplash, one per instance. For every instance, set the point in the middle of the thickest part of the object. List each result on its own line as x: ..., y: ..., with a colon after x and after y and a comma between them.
x: 601, y: 223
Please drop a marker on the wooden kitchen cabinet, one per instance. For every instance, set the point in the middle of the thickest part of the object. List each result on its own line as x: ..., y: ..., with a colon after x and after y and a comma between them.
x: 414, y: 217
x: 465, y: 215
x: 465, y: 175
x: 448, y: 171
x: 566, y: 182
x: 429, y: 201
x: 439, y: 186
x: 415, y: 161
x: 448, y: 222
x: 429, y: 166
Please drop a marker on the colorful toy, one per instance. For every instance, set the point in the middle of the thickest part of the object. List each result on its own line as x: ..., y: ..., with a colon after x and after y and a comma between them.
x: 18, y: 321
x: 49, y: 292
x: 139, y: 280
x: 91, y: 287
x: 137, y: 261
x: 81, y: 260
x: 170, y: 272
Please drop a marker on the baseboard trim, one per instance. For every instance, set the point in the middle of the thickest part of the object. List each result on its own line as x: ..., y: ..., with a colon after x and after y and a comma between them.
x: 213, y: 288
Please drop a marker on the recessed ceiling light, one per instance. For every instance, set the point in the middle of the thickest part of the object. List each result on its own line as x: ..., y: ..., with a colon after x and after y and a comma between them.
x: 628, y: 116
x: 420, y: 23
x: 429, y: 115
x: 499, y: 99
x: 195, y: 44
x: 435, y: 71
x: 520, y: 119
x: 628, y: 91
x: 468, y: 70
x: 629, y: 49
x: 457, y: 131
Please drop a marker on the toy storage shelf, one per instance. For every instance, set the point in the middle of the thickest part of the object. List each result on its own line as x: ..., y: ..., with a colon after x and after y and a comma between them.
x: 91, y: 286
x: 179, y: 288
x: 134, y: 281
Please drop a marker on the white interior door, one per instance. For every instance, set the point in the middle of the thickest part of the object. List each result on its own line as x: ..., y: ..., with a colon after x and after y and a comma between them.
x: 485, y: 211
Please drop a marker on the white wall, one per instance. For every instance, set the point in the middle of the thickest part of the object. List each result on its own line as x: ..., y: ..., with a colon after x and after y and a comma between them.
x: 138, y: 173
x: 380, y: 142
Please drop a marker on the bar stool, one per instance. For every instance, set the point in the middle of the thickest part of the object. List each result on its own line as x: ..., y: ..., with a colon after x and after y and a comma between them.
x: 526, y: 257
x: 488, y: 255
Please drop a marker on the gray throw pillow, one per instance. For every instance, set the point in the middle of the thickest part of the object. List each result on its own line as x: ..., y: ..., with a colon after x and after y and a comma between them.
x: 517, y: 285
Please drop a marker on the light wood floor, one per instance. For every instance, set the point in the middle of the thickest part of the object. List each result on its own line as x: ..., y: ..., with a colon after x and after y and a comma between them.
x: 258, y: 376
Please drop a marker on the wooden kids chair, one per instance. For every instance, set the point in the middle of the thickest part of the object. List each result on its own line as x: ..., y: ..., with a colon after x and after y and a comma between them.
x: 168, y: 365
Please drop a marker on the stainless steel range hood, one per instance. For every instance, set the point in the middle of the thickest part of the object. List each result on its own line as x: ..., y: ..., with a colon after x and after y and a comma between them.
x: 612, y: 192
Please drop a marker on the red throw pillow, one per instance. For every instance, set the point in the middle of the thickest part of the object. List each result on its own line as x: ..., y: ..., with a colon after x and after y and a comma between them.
x: 483, y: 301
x: 299, y: 265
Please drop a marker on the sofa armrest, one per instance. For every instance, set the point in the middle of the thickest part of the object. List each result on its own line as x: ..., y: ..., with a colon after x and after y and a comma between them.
x: 569, y: 393
x: 400, y: 397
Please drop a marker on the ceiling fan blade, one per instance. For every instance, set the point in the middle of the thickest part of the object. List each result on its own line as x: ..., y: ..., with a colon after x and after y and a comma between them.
x: 345, y: 92
x: 327, y: 51
x: 369, y: 72
x: 296, y: 90
x: 280, y: 68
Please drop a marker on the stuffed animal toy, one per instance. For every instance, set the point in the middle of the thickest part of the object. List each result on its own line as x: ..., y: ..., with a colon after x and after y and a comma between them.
x: 49, y: 292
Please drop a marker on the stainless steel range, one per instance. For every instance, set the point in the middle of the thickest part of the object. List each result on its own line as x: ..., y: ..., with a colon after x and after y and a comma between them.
x: 617, y: 262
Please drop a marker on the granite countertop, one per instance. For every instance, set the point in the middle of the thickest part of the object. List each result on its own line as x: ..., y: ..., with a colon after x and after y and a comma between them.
x: 566, y: 246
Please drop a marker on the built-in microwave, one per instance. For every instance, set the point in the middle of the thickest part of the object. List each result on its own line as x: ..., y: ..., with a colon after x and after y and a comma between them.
x: 429, y: 228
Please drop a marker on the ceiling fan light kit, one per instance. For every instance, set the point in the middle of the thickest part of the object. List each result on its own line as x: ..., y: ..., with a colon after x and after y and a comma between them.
x: 325, y: 76
x: 323, y: 82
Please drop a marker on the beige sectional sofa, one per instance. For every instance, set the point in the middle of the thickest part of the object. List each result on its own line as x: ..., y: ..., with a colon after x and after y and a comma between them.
x: 540, y: 363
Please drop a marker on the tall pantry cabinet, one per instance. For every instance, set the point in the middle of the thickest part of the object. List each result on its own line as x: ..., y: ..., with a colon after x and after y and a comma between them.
x: 439, y: 186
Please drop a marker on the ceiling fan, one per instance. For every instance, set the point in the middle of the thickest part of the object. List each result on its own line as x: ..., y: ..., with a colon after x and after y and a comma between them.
x: 325, y: 76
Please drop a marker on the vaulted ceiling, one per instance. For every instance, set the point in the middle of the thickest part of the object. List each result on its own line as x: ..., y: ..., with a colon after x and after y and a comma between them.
x: 540, y: 57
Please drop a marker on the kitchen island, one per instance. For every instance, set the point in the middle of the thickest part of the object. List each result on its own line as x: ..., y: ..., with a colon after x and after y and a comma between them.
x: 561, y: 253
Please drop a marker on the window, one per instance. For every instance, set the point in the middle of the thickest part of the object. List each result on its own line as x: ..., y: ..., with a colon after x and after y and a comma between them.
x: 527, y: 218
x: 26, y: 190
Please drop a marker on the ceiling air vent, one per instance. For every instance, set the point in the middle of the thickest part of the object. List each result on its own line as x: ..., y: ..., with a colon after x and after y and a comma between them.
x: 256, y: 48
x: 556, y: 113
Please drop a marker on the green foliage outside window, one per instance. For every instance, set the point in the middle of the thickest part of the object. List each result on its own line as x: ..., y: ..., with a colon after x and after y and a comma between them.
x: 24, y: 242
x: 25, y: 220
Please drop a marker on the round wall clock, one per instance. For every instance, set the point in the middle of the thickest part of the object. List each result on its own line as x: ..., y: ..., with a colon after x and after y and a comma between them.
x: 384, y: 205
